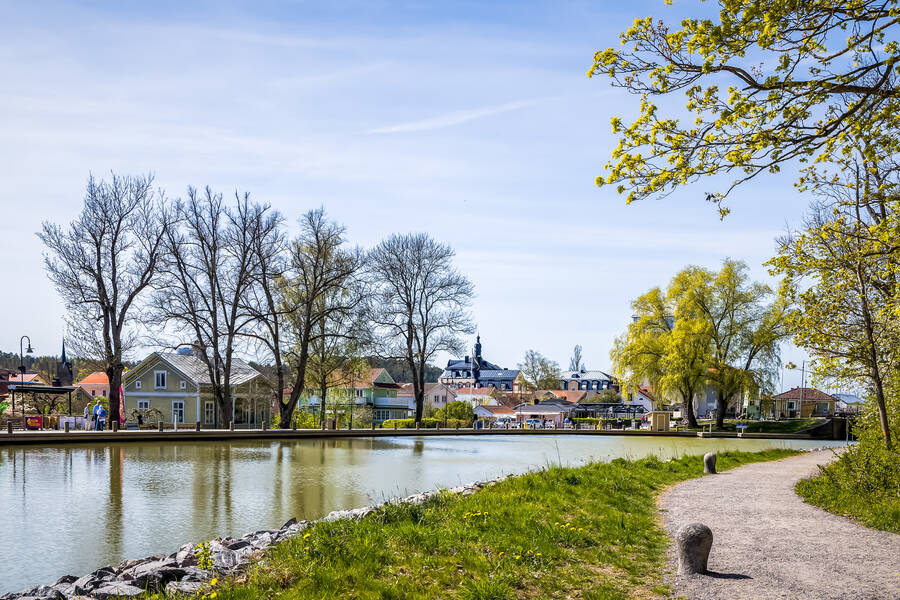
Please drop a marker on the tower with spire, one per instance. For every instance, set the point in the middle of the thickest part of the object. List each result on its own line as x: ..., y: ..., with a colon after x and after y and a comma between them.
x: 64, y: 376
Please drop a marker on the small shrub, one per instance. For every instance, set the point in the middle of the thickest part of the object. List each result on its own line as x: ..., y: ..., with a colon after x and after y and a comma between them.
x: 204, y: 556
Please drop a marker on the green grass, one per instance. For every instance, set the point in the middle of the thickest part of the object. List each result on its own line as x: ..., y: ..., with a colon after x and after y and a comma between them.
x: 590, y: 532
x: 864, y: 488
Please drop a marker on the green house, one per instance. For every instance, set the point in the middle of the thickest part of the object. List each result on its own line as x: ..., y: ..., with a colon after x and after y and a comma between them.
x: 375, y: 389
x: 175, y: 388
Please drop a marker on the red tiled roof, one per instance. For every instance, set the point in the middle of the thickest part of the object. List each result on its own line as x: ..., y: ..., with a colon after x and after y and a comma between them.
x: 811, y: 394
x: 95, y: 378
x: 500, y: 410
x: 484, y: 391
x: 645, y: 390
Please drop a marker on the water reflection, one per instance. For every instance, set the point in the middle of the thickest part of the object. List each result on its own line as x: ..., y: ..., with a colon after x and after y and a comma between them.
x: 72, y: 509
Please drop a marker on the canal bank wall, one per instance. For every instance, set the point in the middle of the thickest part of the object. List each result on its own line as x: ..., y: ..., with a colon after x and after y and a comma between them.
x: 26, y: 438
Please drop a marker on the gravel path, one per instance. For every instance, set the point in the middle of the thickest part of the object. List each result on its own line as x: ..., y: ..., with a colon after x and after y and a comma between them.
x: 768, y: 543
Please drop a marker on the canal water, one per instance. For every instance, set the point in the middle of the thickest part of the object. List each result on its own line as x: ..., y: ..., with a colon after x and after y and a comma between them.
x: 72, y: 509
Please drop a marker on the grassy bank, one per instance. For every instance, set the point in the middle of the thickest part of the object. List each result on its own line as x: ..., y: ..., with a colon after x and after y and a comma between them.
x: 862, y: 484
x: 590, y: 532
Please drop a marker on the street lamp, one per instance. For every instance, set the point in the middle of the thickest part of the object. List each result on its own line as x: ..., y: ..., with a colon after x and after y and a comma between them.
x: 22, y: 368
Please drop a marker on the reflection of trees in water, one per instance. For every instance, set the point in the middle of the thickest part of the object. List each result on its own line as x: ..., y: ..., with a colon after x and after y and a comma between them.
x: 114, y: 514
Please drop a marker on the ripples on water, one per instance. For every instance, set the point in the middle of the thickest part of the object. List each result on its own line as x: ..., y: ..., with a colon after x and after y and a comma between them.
x: 72, y: 509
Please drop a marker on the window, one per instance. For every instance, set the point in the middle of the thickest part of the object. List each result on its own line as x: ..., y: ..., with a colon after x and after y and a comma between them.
x: 209, y: 412
x: 137, y: 384
x: 359, y: 393
x: 93, y: 392
x: 382, y: 415
x: 791, y: 405
x: 143, y: 404
x: 183, y: 384
x: 177, y: 411
x: 159, y: 379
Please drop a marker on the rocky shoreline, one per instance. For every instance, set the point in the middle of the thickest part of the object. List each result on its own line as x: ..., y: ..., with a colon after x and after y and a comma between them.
x: 180, y: 573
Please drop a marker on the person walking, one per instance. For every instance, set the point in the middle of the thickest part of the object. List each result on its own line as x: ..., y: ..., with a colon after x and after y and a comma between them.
x: 101, y: 419
x: 96, y: 415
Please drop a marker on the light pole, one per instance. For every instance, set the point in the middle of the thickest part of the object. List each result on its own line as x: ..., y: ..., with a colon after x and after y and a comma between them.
x: 22, y: 369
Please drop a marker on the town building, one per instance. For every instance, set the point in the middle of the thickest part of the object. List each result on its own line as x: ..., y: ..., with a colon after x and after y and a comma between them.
x: 495, y: 414
x: 438, y: 395
x: 175, y: 387
x: 583, y: 379
x: 847, y: 404
x: 375, y: 388
x: 477, y: 396
x: 802, y: 402
x: 477, y: 372
x: 95, y: 384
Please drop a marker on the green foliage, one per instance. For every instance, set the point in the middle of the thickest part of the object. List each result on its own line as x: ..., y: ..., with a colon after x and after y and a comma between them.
x: 431, y: 423
x: 864, y: 482
x: 456, y: 411
x: 821, y: 72
x: 706, y: 327
x: 304, y: 420
x: 204, y: 556
x: 591, y: 532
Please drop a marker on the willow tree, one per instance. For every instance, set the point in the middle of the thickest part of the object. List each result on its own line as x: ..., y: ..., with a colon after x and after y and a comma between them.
x: 746, y: 322
x: 665, y: 347
x: 767, y: 83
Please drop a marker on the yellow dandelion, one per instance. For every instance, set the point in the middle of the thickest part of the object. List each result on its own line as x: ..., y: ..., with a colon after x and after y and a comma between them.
x: 518, y: 556
x: 306, y: 535
x: 213, y: 581
x: 213, y: 595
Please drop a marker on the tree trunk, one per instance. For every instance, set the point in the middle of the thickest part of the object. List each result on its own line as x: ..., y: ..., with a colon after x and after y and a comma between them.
x: 882, y: 412
x: 721, y: 405
x: 687, y: 407
x: 114, y: 374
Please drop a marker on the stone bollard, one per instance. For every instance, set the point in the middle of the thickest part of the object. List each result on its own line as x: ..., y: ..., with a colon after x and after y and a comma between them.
x: 67, y: 427
x: 115, y: 426
x: 9, y: 427
x: 265, y: 425
x: 373, y: 425
x: 692, y: 544
x: 417, y: 425
x: 709, y: 463
x: 159, y: 426
x: 395, y: 426
x: 457, y: 425
x: 230, y: 425
x: 197, y: 426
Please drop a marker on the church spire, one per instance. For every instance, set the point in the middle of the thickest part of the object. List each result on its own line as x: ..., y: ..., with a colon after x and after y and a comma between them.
x: 63, y: 357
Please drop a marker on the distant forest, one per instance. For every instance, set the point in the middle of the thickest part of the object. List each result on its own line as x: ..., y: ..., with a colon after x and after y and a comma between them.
x: 46, y: 367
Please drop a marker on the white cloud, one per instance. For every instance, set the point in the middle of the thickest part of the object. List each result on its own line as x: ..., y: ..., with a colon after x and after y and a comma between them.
x: 454, y: 118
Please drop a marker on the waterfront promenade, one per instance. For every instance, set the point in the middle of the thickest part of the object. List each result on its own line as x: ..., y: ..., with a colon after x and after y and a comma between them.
x: 189, y: 433
x: 768, y: 543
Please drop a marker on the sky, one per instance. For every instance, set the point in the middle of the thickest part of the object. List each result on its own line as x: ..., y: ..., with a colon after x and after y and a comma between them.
x: 473, y: 122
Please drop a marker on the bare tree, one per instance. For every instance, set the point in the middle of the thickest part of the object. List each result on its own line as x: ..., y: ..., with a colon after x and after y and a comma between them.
x: 314, y: 292
x: 419, y: 303
x: 576, y: 363
x: 101, y: 264
x: 264, y: 300
x: 211, y: 264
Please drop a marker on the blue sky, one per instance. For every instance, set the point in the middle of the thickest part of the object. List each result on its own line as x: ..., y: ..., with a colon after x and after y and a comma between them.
x: 474, y: 122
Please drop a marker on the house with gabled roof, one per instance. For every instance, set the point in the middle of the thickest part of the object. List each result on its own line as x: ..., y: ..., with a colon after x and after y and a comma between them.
x: 177, y: 386
x: 803, y: 402
x: 374, y: 388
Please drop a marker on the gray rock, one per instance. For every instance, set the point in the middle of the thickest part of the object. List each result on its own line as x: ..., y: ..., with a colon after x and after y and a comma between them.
x: 41, y: 592
x: 709, y: 463
x: 185, y: 557
x: 84, y: 585
x: 236, y: 544
x: 225, y: 560
x: 692, y: 545
x: 196, y: 575
x: 66, y: 579
x: 184, y: 588
x: 288, y: 523
x: 117, y: 589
